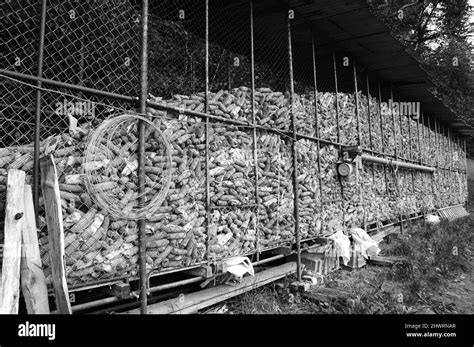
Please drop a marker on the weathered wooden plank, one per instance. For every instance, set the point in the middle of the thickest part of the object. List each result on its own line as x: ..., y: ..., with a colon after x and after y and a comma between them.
x: 383, y: 261
x: 33, y: 283
x: 204, y: 298
x: 10, y: 290
x: 54, y: 221
x: 385, y: 232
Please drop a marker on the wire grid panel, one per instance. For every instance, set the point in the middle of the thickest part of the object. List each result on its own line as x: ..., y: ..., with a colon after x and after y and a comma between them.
x: 272, y: 96
x: 346, y: 99
x: 309, y: 190
x: 93, y: 44
x: 275, y: 190
x: 230, y: 47
x: 20, y: 31
x: 97, y: 246
x: 176, y: 233
x: 232, y: 191
x: 304, y: 86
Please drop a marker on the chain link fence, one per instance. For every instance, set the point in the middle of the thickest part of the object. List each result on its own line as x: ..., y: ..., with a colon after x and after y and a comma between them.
x: 234, y: 179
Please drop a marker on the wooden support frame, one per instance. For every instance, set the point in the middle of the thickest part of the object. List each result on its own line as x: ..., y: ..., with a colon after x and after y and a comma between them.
x: 33, y: 282
x: 54, y: 220
x: 14, y: 218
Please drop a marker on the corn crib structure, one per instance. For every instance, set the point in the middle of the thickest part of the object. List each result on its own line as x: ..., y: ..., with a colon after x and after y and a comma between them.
x: 276, y: 138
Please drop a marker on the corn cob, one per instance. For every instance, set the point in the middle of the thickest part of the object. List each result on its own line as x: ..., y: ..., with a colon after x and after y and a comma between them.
x: 71, y: 188
x: 64, y: 152
x: 85, y: 221
x: 18, y: 163
x: 100, y: 187
x: 162, y: 256
x: 113, y: 247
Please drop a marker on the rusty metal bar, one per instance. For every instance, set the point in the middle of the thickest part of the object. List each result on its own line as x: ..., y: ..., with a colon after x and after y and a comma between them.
x: 36, y: 168
x: 337, y: 96
x: 356, y: 91
x: 370, y: 124
x: 394, y: 126
x: 73, y: 87
x: 141, y: 154
x: 252, y: 107
x: 316, y: 118
x: 395, y: 163
x: 379, y: 110
x: 206, y: 110
x: 295, y: 167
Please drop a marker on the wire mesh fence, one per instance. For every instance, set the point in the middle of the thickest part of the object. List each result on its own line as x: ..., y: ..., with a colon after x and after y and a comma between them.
x: 234, y: 187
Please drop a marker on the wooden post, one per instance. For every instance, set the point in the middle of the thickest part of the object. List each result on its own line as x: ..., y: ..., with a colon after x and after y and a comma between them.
x: 10, y: 290
x: 54, y: 221
x: 33, y: 284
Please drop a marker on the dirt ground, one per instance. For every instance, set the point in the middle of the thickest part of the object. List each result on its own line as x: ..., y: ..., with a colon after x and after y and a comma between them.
x: 435, y: 277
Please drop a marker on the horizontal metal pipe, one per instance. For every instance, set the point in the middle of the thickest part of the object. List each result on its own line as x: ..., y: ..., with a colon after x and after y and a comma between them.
x: 264, y: 261
x: 112, y: 299
x: 73, y: 87
x: 92, y: 304
x: 396, y: 163
x: 175, y: 284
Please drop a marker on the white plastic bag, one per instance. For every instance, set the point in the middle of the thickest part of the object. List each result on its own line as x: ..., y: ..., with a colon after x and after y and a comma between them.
x: 432, y: 219
x: 364, y: 243
x: 343, y: 245
x: 239, y: 266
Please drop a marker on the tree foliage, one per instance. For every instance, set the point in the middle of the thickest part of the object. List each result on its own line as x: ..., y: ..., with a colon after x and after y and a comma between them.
x: 438, y: 34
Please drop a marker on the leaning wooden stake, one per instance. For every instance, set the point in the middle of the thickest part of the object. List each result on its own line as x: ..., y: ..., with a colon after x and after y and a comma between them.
x: 54, y: 221
x: 10, y: 290
x: 33, y: 284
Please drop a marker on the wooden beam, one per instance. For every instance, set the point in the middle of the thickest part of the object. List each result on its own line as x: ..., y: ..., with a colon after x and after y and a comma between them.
x: 33, y: 283
x: 54, y: 221
x: 10, y: 290
x: 384, y: 261
x: 204, y: 271
x: 204, y: 298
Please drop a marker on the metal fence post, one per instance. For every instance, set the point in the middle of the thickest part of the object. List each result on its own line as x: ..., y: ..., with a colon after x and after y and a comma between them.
x: 316, y: 118
x: 337, y: 96
x: 356, y: 91
x: 141, y: 152
x: 36, y: 168
x: 394, y: 127
x: 370, y: 125
x: 295, y: 163
x: 206, y: 110
x: 379, y: 110
x: 254, y: 130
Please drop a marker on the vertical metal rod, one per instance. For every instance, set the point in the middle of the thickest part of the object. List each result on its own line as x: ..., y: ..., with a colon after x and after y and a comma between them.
x: 379, y: 110
x: 410, y: 155
x: 394, y: 126
x: 465, y: 166
x: 395, y: 140
x: 295, y: 167
x: 337, y: 121
x: 419, y: 139
x: 141, y: 153
x: 252, y: 107
x: 430, y: 160
x: 437, y: 142
x: 206, y: 110
x: 316, y: 118
x: 370, y: 125
x: 356, y: 91
x: 36, y: 168
x: 422, y: 148
x: 337, y: 96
